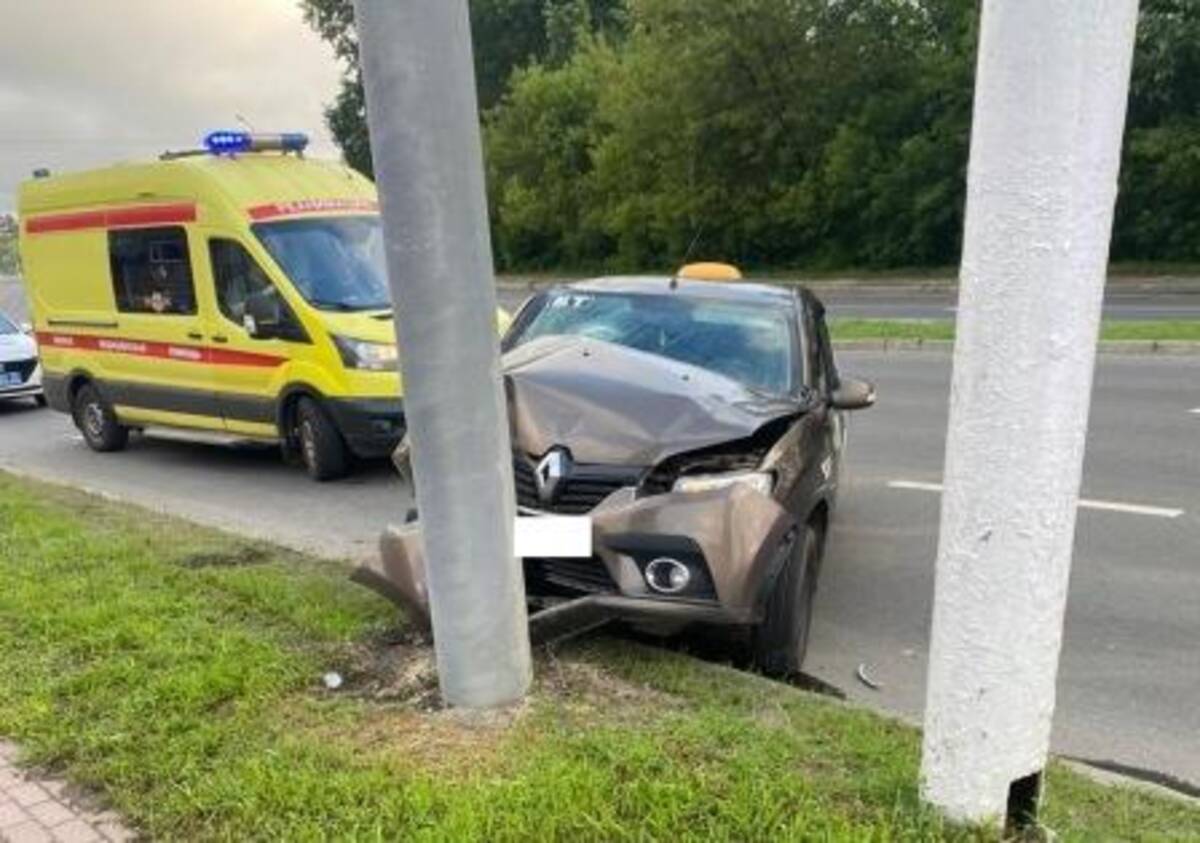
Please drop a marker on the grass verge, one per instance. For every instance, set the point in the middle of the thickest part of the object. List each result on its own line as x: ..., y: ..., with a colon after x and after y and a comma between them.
x: 943, y: 329
x: 176, y: 670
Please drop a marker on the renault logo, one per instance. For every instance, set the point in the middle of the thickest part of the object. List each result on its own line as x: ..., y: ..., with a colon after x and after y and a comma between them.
x: 554, y: 468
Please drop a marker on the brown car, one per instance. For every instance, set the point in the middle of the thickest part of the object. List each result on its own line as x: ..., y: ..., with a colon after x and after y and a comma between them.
x: 700, y: 424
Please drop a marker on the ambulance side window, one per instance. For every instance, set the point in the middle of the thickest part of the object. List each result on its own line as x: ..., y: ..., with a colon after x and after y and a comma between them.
x: 243, y: 289
x: 151, y: 271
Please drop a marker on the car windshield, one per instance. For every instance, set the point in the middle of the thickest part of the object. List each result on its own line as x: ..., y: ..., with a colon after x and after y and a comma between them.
x: 6, y: 326
x: 749, y: 343
x: 335, y: 262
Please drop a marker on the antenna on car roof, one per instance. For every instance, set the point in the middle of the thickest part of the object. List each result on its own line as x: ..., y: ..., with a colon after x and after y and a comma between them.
x: 688, y: 254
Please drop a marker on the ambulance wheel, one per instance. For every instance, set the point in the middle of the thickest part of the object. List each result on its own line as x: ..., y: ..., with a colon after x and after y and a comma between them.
x: 320, y: 445
x: 40, y: 400
x: 97, y: 422
x: 780, y: 642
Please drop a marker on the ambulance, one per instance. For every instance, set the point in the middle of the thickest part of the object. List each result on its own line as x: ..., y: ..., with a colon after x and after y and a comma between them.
x: 236, y: 291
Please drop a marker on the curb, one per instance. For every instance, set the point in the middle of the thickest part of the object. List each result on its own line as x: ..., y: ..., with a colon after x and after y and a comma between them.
x: 1180, y: 348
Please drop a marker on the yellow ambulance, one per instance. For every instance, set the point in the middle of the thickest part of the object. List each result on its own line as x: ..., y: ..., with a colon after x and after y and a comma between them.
x: 237, y: 290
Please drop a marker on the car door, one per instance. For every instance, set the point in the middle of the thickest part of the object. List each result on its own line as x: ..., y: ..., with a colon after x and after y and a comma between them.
x: 824, y: 378
x: 251, y: 351
x: 155, y: 364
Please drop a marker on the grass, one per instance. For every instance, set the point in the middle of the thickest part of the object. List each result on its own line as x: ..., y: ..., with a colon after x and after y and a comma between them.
x: 176, y: 671
x: 943, y: 329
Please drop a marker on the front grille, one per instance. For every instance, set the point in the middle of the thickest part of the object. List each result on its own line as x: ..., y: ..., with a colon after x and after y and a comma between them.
x: 569, y: 576
x: 23, y: 367
x: 579, y: 493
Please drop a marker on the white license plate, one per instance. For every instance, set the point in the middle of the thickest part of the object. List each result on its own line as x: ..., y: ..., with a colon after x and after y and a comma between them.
x: 10, y: 378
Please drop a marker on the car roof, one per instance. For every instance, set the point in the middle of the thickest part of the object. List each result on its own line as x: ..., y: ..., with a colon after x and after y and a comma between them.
x: 733, y: 291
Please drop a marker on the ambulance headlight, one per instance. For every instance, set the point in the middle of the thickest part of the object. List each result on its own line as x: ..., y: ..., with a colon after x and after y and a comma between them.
x: 371, y: 356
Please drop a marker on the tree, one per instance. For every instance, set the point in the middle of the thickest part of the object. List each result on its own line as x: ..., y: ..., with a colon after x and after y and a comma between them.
x: 818, y: 133
x: 507, y: 33
x: 1158, y: 213
x: 9, y: 261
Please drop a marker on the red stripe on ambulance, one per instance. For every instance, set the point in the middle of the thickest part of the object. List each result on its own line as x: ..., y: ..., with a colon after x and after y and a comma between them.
x: 132, y: 216
x: 310, y: 206
x: 161, y: 350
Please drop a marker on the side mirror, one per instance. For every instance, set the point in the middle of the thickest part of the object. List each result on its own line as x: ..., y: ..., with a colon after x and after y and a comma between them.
x: 853, y: 394
x: 27, y: 328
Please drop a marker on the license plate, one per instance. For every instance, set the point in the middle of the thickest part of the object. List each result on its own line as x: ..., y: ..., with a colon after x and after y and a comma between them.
x: 10, y: 378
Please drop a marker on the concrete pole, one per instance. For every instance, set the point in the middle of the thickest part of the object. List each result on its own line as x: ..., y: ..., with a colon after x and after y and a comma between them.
x: 1051, y: 87
x: 424, y: 123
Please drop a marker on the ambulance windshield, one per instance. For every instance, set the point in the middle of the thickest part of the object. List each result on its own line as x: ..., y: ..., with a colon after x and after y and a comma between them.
x: 335, y: 262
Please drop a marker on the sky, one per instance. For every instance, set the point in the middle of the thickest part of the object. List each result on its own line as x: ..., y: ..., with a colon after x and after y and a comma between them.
x: 90, y: 82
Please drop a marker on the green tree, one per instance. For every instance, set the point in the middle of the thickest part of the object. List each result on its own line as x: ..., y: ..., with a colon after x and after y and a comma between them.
x: 507, y: 34
x: 9, y: 261
x: 1158, y: 212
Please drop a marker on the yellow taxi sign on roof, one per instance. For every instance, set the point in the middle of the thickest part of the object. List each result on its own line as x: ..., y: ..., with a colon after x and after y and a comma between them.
x: 709, y: 271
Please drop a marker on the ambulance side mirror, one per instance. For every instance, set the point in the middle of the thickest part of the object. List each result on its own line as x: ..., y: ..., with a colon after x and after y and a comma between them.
x: 27, y: 328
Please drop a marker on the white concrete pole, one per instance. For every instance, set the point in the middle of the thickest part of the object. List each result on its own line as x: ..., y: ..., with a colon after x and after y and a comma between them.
x: 1051, y: 87
x: 424, y: 123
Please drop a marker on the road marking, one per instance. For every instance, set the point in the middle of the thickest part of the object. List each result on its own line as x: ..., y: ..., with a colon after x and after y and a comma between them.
x: 1195, y: 411
x: 1085, y: 503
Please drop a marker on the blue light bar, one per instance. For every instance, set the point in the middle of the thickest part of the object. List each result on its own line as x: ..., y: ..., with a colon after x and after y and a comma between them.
x: 231, y: 142
x: 224, y: 142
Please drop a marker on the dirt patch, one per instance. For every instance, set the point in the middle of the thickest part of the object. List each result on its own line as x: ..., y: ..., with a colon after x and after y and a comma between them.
x: 586, y: 688
x: 394, y: 677
x: 238, y: 556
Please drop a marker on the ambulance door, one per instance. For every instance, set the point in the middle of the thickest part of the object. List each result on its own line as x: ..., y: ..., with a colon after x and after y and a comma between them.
x: 155, y: 366
x: 258, y: 335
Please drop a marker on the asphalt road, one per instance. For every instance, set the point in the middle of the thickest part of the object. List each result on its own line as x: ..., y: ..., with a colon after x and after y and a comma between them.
x: 1122, y: 302
x: 1130, y: 678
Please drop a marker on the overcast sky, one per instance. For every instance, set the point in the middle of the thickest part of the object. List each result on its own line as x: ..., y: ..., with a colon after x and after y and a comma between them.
x: 87, y: 82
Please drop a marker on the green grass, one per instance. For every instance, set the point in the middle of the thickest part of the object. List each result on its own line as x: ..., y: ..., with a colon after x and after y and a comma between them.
x: 943, y: 329
x: 176, y: 671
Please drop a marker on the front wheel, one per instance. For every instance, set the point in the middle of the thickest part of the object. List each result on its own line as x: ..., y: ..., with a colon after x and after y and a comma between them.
x: 321, y: 446
x: 780, y: 641
x: 40, y: 400
x: 97, y: 421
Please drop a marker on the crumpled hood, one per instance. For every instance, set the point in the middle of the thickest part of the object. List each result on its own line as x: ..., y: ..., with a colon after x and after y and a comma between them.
x: 615, y: 405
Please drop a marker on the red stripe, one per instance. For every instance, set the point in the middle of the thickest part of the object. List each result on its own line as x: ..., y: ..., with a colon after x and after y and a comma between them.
x: 310, y: 206
x: 165, y: 351
x: 134, y: 215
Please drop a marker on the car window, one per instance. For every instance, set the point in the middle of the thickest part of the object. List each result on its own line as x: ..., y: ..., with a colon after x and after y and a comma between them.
x: 238, y: 278
x: 6, y: 326
x: 151, y: 271
x: 747, y: 342
x: 336, y: 263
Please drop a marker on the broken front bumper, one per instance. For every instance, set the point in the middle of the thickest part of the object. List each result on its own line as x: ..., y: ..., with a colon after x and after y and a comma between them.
x: 730, y: 538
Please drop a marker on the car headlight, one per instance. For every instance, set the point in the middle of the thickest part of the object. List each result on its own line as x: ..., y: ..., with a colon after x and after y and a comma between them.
x: 372, y: 356
x: 759, y: 481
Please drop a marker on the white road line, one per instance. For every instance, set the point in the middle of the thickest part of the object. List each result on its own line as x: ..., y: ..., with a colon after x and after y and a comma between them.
x: 1085, y: 503
x: 1195, y: 411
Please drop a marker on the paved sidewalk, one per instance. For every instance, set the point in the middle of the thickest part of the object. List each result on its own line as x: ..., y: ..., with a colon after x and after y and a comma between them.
x: 36, y: 810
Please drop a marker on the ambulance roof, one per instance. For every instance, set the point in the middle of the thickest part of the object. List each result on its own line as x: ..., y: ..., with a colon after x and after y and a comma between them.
x: 245, y: 181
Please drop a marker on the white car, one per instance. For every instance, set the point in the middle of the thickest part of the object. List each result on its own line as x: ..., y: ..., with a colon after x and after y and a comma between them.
x: 20, y: 371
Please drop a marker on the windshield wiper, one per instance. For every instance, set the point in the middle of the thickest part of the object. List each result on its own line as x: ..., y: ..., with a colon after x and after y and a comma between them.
x: 322, y: 304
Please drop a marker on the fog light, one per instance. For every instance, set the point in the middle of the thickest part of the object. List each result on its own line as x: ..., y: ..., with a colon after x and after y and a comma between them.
x: 667, y: 576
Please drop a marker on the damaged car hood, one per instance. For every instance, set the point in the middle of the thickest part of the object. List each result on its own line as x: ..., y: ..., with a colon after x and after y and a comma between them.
x: 615, y: 405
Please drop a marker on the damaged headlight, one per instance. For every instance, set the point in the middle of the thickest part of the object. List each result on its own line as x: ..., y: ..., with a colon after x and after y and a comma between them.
x: 372, y: 356
x: 760, y: 481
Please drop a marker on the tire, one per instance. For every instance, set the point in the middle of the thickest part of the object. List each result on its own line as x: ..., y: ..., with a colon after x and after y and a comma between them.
x: 780, y: 642
x: 320, y: 445
x: 97, y: 421
x: 40, y: 400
